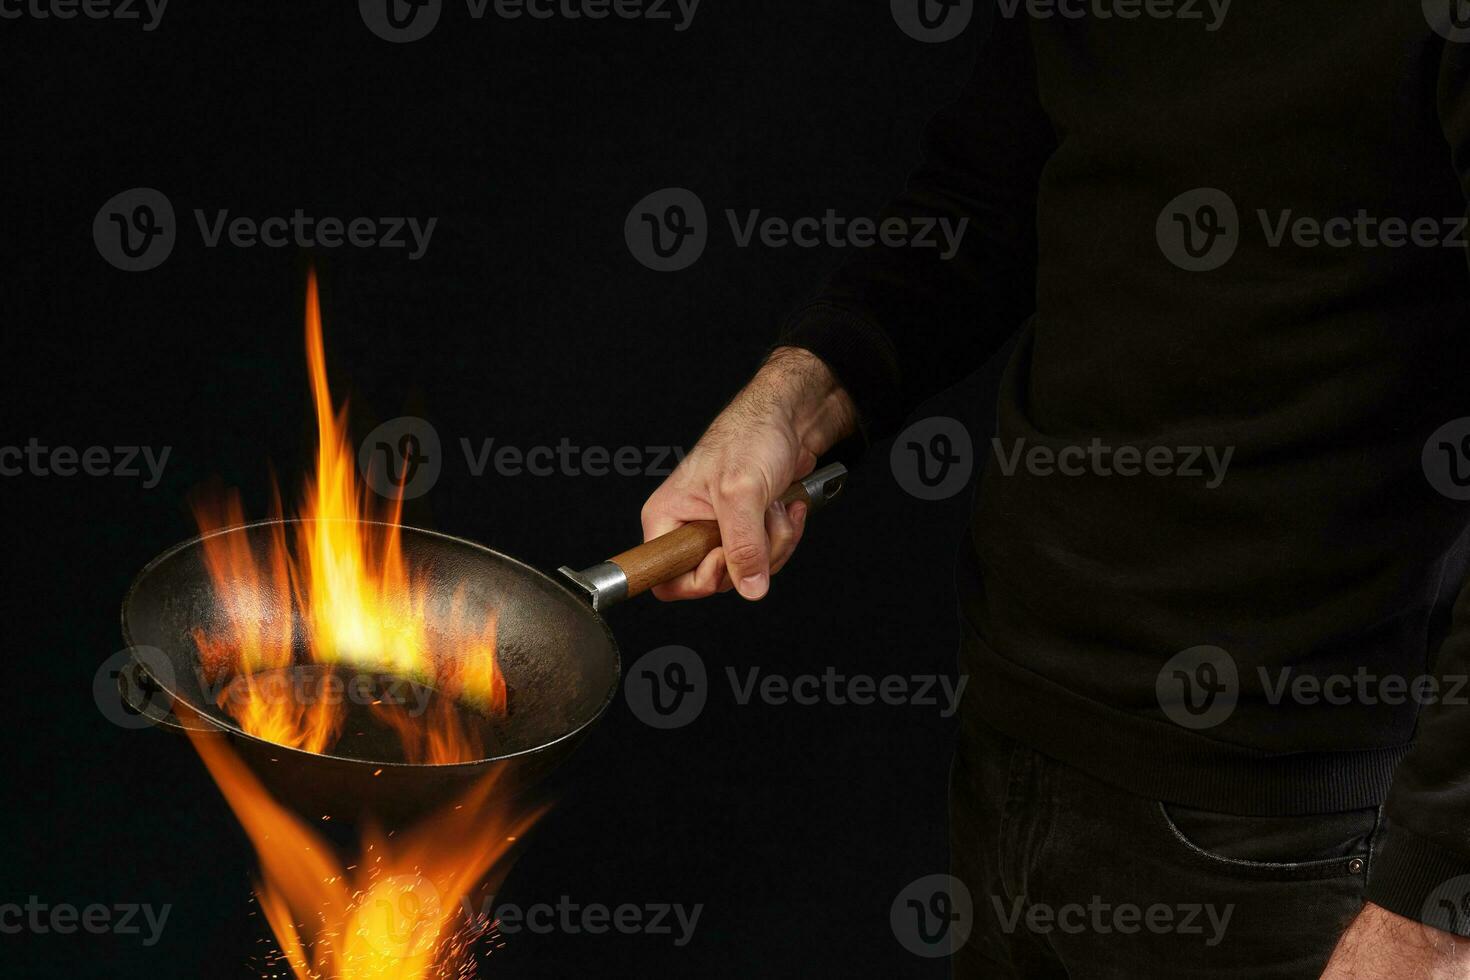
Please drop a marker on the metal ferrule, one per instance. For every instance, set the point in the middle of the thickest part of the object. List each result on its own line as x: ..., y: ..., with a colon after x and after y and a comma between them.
x: 824, y: 484
x: 604, y: 583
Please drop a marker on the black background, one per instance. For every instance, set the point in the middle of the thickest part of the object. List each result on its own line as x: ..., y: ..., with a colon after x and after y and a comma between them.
x: 527, y: 321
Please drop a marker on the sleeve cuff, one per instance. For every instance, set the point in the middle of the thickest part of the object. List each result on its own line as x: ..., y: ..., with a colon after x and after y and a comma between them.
x: 1414, y: 877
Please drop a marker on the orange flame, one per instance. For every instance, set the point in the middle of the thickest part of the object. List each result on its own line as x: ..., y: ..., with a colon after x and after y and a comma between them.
x: 400, y: 912
x: 358, y: 602
x: 333, y: 592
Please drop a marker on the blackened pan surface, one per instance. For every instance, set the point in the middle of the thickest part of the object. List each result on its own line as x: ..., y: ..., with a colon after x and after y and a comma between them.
x: 559, y: 659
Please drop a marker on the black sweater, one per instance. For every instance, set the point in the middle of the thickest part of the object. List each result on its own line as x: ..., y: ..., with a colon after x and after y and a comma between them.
x: 1325, y: 366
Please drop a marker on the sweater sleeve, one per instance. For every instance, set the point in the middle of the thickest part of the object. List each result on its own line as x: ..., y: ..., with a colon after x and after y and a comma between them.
x: 1422, y: 867
x: 898, y: 323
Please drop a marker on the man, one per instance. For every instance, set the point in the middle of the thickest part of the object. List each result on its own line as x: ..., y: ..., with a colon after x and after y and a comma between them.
x: 1154, y: 777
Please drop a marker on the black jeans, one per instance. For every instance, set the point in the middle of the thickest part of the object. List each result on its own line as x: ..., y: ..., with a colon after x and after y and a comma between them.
x: 1070, y: 877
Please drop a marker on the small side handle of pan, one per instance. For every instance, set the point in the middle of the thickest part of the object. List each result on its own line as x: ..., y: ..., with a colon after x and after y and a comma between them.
x: 670, y: 555
x: 144, y: 702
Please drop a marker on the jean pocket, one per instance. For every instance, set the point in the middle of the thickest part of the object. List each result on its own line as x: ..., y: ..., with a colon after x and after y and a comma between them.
x: 1330, y: 845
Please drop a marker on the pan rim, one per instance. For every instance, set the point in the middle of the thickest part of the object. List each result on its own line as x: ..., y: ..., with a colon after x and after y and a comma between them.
x: 228, y: 727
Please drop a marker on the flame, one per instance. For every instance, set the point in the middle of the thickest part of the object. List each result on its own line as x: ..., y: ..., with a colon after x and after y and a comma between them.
x: 302, y: 604
x: 356, y: 600
x: 401, y: 911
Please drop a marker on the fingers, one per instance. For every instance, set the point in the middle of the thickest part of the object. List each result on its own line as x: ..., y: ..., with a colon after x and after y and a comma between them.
x: 710, y: 577
x: 658, y: 515
x: 784, y: 526
x: 671, y: 506
x: 758, y: 538
x: 740, y: 507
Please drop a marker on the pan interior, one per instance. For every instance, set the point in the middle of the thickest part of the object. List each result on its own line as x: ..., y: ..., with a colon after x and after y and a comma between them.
x: 559, y: 661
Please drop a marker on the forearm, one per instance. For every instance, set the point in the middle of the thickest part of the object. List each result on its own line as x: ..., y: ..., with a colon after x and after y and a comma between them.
x: 1380, y: 945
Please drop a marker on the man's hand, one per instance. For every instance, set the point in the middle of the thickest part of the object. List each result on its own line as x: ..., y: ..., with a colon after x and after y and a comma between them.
x: 771, y: 434
x: 1381, y: 945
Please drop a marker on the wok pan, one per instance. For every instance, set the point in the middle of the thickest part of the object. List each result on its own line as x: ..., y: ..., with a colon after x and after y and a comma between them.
x: 559, y: 659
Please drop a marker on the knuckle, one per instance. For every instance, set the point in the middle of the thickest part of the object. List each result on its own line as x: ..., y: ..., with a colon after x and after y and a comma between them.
x: 739, y: 485
x: 743, y: 554
x: 781, y: 533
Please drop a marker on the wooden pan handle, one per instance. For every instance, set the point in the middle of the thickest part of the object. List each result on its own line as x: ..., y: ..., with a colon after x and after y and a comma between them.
x: 681, y: 550
x: 670, y: 555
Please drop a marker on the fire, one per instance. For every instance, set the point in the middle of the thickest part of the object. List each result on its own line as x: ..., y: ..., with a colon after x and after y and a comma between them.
x: 328, y: 596
x: 402, y: 911
x: 358, y: 603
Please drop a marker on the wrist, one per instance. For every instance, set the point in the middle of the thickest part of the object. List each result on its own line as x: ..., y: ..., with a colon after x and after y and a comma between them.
x: 818, y: 408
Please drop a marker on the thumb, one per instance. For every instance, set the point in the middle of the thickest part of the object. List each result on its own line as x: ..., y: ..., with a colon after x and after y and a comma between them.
x: 741, y: 511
